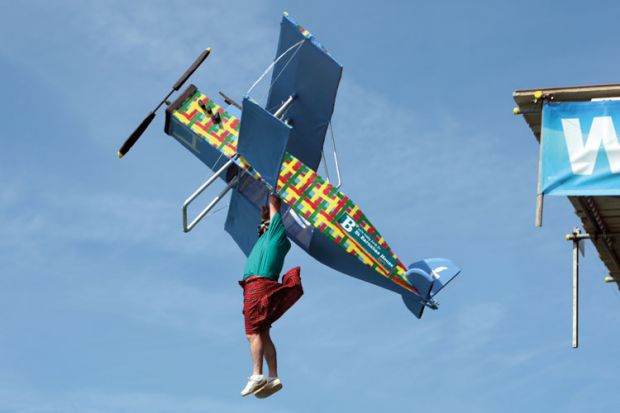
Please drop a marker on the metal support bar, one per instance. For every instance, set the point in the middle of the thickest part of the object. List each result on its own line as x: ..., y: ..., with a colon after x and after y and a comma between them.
x: 335, y: 156
x: 539, y: 194
x: 575, y: 293
x: 230, y: 101
x: 187, y: 228
x: 539, y: 209
x: 577, y: 238
x: 335, y: 153
x: 284, y: 107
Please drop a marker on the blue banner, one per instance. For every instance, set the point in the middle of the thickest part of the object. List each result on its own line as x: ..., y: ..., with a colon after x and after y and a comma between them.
x: 580, y: 148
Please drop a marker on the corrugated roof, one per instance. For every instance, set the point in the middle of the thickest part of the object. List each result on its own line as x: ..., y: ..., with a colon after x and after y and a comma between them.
x: 600, y: 216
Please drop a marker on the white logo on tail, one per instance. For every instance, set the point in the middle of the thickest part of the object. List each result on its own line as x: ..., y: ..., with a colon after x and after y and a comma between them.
x: 436, y: 271
x: 583, y: 156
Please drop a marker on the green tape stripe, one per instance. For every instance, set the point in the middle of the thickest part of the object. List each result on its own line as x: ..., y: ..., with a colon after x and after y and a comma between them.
x: 306, y: 193
x: 392, y: 273
x: 290, y: 181
x: 229, y: 139
x: 194, y: 120
x: 188, y: 102
x: 321, y: 207
x: 335, y: 193
x: 347, y: 205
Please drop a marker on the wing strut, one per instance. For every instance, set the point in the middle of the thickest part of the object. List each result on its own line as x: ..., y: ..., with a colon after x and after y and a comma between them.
x: 218, y: 198
x: 337, y: 165
x: 284, y: 107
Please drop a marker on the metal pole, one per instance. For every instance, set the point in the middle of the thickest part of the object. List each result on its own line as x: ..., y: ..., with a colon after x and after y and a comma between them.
x: 284, y: 106
x: 187, y: 228
x: 335, y: 157
x: 575, y: 291
x: 577, y: 237
x: 539, y: 194
x: 539, y: 209
x: 218, y: 198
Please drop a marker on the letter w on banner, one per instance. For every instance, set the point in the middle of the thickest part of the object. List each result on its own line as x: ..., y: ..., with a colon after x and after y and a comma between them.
x: 581, y: 148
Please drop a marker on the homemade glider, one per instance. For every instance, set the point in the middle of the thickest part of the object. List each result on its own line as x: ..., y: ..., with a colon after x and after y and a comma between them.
x: 278, y: 148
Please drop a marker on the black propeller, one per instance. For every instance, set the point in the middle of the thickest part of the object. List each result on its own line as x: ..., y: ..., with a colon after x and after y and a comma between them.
x: 133, y: 138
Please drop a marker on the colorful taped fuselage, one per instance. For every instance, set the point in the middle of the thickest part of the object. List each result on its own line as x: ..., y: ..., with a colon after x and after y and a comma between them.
x: 311, y: 196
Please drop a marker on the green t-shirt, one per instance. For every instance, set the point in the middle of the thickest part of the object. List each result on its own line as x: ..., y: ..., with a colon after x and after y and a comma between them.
x: 267, y: 256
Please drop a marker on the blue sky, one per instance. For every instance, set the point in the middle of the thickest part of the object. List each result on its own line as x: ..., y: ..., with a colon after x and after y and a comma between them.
x: 106, y: 306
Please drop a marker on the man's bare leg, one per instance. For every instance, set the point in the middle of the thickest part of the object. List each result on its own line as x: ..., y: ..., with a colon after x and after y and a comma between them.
x: 257, y: 351
x: 273, y: 384
x: 269, y: 351
x: 256, y: 381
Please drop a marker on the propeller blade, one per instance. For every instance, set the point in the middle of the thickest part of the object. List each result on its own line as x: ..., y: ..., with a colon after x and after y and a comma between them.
x: 192, y: 69
x: 133, y: 138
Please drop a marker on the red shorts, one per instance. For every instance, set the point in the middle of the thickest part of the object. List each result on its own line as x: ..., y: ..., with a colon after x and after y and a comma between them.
x: 264, y: 300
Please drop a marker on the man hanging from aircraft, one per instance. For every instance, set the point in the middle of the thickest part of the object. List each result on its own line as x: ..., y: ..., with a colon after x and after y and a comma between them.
x: 264, y: 299
x: 330, y: 227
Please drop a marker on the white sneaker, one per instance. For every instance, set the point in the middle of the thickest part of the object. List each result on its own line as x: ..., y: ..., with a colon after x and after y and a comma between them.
x: 272, y: 386
x: 255, y: 383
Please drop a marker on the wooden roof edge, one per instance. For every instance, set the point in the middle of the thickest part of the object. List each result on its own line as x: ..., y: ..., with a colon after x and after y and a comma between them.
x: 529, y: 101
x: 612, y: 87
x: 528, y: 98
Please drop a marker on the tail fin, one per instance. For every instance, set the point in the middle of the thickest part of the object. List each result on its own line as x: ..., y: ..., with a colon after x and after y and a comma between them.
x: 428, y: 276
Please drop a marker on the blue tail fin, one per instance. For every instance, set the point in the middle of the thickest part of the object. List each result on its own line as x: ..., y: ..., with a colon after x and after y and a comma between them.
x: 428, y: 276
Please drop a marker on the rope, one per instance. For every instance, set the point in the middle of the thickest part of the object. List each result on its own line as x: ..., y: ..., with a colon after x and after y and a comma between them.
x: 218, y: 159
x: 298, y: 45
x: 325, y: 164
x: 211, y: 213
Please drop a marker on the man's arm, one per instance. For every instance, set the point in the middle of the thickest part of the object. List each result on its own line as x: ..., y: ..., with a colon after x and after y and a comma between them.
x: 274, y: 205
